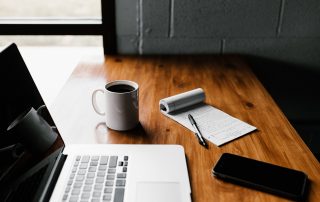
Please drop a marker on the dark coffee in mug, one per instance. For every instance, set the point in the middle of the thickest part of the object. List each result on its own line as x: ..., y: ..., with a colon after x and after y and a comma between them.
x: 120, y: 88
x: 121, y: 106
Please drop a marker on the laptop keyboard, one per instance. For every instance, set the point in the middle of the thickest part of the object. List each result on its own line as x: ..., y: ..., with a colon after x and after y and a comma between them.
x: 97, y: 178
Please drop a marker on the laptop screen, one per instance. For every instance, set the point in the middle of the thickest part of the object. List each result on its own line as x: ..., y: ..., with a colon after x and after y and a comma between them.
x: 24, y: 141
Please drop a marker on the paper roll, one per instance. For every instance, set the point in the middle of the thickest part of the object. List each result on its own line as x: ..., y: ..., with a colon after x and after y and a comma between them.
x: 182, y: 100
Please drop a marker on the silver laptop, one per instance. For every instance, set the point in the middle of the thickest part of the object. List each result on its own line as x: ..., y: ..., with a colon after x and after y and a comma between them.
x: 100, y: 172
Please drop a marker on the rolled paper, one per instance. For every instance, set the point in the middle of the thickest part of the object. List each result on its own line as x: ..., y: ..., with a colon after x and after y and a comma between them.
x: 179, y: 101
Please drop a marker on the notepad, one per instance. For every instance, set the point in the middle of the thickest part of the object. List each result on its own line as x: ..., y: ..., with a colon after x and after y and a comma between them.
x: 215, y: 125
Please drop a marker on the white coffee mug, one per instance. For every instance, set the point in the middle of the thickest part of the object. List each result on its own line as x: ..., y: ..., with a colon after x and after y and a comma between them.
x: 121, y: 104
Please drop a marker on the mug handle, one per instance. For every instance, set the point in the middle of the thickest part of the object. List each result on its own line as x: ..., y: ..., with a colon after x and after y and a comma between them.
x: 45, y: 114
x: 41, y: 111
x: 94, y: 102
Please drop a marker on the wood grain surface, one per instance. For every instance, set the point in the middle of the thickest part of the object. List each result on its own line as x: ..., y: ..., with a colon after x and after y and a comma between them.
x: 229, y: 85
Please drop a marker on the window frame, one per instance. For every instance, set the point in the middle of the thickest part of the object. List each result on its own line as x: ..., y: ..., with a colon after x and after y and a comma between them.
x: 104, y: 27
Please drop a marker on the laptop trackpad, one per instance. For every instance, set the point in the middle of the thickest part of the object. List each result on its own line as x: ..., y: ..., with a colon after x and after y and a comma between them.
x: 158, y: 192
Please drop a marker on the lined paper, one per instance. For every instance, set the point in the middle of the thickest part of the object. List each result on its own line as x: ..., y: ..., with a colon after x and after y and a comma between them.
x: 215, y: 125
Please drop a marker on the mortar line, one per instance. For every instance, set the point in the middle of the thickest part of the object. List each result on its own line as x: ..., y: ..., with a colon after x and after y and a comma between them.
x: 222, y: 46
x: 140, y: 24
x: 280, y: 18
x: 171, y: 19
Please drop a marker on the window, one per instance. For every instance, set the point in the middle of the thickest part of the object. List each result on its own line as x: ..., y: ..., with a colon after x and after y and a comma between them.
x: 50, y: 8
x: 69, y: 20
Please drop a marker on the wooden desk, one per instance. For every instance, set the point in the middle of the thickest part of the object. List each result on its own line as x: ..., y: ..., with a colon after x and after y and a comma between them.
x: 229, y: 85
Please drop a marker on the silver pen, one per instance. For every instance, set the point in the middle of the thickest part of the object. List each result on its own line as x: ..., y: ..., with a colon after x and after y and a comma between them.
x: 197, y: 133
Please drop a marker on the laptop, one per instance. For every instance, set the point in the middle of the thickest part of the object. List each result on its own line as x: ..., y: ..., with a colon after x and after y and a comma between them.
x: 88, y: 172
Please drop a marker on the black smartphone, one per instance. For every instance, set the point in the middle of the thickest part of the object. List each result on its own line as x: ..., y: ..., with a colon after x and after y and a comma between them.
x: 262, y: 176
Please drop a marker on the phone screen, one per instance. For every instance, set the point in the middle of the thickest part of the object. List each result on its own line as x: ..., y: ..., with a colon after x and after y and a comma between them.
x: 261, y: 175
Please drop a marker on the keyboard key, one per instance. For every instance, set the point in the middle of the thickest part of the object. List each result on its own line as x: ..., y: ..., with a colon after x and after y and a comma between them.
x: 124, y: 169
x: 89, y: 181
x: 126, y: 158
x: 72, y: 176
x: 94, y: 163
x: 109, y: 183
x: 87, y: 188
x: 91, y: 175
x: 65, y: 197
x: 100, y: 180
x: 120, y: 163
x: 121, y: 175
x: 113, y: 161
x: 82, y: 172
x: 107, y: 197
x: 80, y: 178
x: 125, y: 163
x: 92, y: 169
x: 110, y: 177
x: 118, y: 195
x: 111, y: 171
x: 101, y: 174
x: 104, y: 160
x: 75, y: 192
x: 83, y: 166
x: 95, y: 158
x: 77, y: 185
x: 120, y: 183
x: 96, y: 194
x: 74, y: 199
x: 108, y: 190
x: 68, y: 188
x: 98, y: 187
x: 102, y: 167
x: 85, y: 195
x: 78, y: 158
x: 85, y: 159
